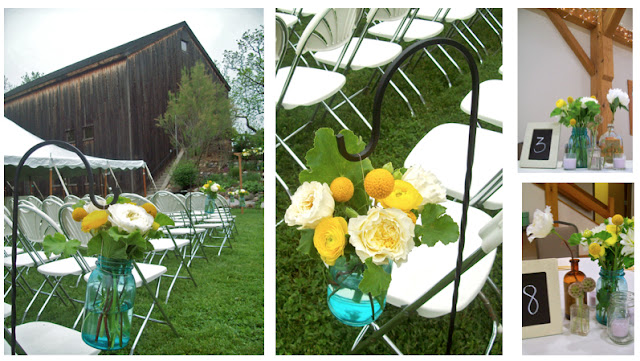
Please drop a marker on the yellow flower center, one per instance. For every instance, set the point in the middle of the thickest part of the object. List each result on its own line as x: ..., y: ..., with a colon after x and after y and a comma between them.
x: 379, y: 183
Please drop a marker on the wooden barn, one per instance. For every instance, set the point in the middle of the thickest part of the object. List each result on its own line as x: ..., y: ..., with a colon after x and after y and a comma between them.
x: 106, y: 105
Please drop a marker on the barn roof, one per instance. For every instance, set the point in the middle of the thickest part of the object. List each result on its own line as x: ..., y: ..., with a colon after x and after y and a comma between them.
x: 118, y: 53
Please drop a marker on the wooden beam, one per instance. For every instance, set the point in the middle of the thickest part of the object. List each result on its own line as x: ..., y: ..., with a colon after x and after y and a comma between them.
x: 630, y: 92
x: 585, y: 200
x: 571, y: 41
x: 551, y: 198
x: 601, y: 80
x: 586, y: 19
x: 611, y: 20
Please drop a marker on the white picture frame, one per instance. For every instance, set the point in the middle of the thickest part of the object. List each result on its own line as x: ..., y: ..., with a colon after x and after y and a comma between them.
x: 550, y: 268
x: 552, y: 161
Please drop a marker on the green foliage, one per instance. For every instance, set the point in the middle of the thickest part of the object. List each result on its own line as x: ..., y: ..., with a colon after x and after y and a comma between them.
x: 252, y: 176
x: 243, y: 141
x: 306, y: 243
x: 436, y: 226
x: 26, y: 78
x: 57, y: 244
x: 375, y: 280
x: 198, y: 114
x: 185, y: 174
x: 583, y: 112
x: 253, y: 186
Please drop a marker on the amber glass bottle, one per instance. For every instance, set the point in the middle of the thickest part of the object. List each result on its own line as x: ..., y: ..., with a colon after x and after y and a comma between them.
x: 574, y: 275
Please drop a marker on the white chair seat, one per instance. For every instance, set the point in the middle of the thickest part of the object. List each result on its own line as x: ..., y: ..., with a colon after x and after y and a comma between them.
x: 8, y: 250
x: 448, y: 143
x: 453, y: 14
x: 371, y: 54
x: 289, y: 20
x: 163, y: 244
x: 215, y: 220
x: 184, y: 231
x: 149, y: 271
x: 7, y: 310
x: 45, y: 338
x: 491, y: 107
x: 66, y: 266
x: 208, y: 225
x: 419, y: 29
x: 24, y: 259
x: 427, y: 265
x: 308, y: 86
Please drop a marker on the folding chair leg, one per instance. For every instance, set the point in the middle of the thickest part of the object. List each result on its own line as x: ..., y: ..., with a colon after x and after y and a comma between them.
x: 355, y: 109
x: 335, y: 116
x: 446, y: 53
x: 415, y: 89
x: 494, y: 319
x: 375, y: 328
x: 175, y: 277
x: 438, y: 66
x: 454, y: 26
x: 475, y: 37
x: 490, y: 24
x: 406, y: 101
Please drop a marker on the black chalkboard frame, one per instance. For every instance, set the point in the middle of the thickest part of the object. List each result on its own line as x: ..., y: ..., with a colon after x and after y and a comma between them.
x: 550, y: 268
x: 552, y: 161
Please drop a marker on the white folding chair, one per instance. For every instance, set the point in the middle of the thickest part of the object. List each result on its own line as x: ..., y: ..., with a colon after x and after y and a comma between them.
x: 71, y: 199
x: 491, y: 107
x: 51, y: 207
x: 34, y: 200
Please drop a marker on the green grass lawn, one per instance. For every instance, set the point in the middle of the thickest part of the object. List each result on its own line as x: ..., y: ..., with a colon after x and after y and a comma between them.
x: 223, y: 315
x: 304, y: 324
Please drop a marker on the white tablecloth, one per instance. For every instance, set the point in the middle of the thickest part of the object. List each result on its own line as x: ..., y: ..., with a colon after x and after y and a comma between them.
x: 597, y: 342
x: 559, y: 169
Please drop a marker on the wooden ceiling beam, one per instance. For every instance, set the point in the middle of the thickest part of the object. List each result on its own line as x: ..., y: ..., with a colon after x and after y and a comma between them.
x: 568, y: 37
x: 610, y: 20
x: 586, y: 19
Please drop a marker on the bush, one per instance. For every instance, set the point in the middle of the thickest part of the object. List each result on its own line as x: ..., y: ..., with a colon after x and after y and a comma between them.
x: 253, y: 186
x: 252, y: 176
x: 185, y: 174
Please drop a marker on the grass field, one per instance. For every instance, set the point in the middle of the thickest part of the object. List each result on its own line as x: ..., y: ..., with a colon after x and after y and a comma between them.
x: 304, y: 324
x: 223, y: 315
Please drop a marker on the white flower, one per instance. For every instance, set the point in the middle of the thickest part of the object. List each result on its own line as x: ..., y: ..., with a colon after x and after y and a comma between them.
x: 215, y: 187
x: 309, y: 205
x: 381, y: 234
x: 427, y: 184
x: 623, y: 98
x: 628, y: 243
x: 585, y: 100
x: 129, y: 218
x: 542, y: 224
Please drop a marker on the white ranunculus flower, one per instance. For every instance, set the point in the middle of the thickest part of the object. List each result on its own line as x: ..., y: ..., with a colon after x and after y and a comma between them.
x: 215, y: 187
x: 129, y: 218
x: 614, y: 93
x: 312, y: 202
x: 542, y: 224
x: 427, y: 184
x: 585, y: 100
x: 381, y: 234
x: 628, y: 243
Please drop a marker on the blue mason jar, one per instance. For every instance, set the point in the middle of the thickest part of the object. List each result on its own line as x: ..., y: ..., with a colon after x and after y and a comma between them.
x: 580, y: 143
x: 108, y: 308
x: 209, y: 204
x: 346, y: 302
x: 610, y: 281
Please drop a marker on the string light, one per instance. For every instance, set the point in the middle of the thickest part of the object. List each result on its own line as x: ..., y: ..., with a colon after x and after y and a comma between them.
x: 590, y: 16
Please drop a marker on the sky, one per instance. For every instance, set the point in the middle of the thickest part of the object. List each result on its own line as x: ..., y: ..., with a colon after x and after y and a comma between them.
x: 45, y: 40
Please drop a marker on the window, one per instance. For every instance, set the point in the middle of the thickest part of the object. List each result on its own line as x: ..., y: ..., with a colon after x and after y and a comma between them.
x: 70, y: 136
x: 87, y: 132
x: 183, y: 44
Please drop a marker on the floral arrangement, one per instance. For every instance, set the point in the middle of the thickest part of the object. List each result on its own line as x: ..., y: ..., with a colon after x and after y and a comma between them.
x: 610, y: 243
x: 617, y: 99
x: 211, y: 189
x: 351, y: 214
x: 580, y: 112
x: 252, y: 152
x: 241, y: 192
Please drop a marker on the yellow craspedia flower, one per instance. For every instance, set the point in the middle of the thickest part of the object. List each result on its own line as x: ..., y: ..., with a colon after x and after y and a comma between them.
x: 79, y: 214
x: 613, y: 229
x: 206, y: 186
x: 572, y: 122
x: 593, y: 96
x: 94, y: 220
x: 560, y: 103
x: 587, y: 233
x: 569, y: 100
x: 342, y: 189
x: 596, y: 251
x: 611, y: 241
x: 151, y: 209
x: 379, y: 183
x: 155, y: 226
x: 404, y: 197
x: 329, y: 239
x: 618, y: 220
x: 210, y: 181
x: 412, y: 216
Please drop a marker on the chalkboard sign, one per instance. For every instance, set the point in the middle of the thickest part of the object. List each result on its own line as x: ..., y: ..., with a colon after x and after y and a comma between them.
x: 540, y: 147
x: 541, y: 312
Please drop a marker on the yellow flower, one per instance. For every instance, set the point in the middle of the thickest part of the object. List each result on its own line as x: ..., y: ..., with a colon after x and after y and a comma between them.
x: 94, y: 220
x: 560, y: 103
x: 206, y: 186
x: 570, y: 100
x: 613, y: 229
x: 593, y: 96
x: 595, y: 250
x: 618, y: 220
x: 155, y: 226
x: 329, y: 239
x: 151, y: 209
x: 379, y: 183
x: 210, y: 181
x: 412, y: 216
x: 587, y: 233
x: 79, y: 214
x: 572, y: 122
x: 342, y: 189
x: 404, y: 197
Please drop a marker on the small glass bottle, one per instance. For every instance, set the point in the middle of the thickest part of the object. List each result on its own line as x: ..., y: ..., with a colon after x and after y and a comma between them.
x: 610, y: 143
x: 620, y: 318
x: 579, y: 324
x: 574, y: 275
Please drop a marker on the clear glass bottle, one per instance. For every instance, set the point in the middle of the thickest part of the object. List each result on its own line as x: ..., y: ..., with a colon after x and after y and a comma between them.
x: 579, y: 324
x: 574, y: 275
x: 579, y: 143
x: 620, y: 318
x: 610, y: 143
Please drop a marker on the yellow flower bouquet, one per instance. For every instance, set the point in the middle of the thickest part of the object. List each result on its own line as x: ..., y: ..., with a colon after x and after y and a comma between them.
x: 360, y: 221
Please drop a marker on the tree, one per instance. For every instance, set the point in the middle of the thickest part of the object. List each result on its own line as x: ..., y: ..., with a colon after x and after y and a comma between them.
x: 246, y: 67
x: 7, y: 85
x: 198, y: 114
x: 31, y: 77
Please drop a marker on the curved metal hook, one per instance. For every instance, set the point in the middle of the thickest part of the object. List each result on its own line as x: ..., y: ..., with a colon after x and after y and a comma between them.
x: 386, y: 78
x: 14, y: 231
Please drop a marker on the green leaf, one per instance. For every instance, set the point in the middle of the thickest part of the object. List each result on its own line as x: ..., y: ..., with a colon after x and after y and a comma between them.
x: 575, y: 239
x: 556, y: 111
x: 437, y: 226
x: 58, y: 244
x: 375, y: 279
x: 95, y: 245
x: 351, y: 213
x: 326, y: 163
x: 163, y: 220
x: 112, y: 248
x: 388, y: 167
x: 603, y: 235
x: 79, y: 204
x: 306, y: 241
x: 397, y: 174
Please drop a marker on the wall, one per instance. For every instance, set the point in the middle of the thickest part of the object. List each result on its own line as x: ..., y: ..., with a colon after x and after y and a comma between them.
x: 548, y: 70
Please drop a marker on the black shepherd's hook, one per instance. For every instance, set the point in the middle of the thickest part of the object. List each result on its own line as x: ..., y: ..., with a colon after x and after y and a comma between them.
x: 14, y: 234
x: 473, y: 123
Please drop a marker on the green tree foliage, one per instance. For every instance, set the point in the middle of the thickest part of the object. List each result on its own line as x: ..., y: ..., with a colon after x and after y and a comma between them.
x: 31, y: 77
x: 245, y: 67
x: 198, y: 114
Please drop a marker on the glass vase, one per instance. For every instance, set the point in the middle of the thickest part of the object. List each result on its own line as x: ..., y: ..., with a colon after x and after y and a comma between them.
x: 579, y: 324
x: 241, y: 201
x: 620, y: 318
x: 574, y: 275
x: 210, y: 204
x: 108, y: 308
x: 610, y: 143
x: 346, y: 302
x: 610, y: 281
x: 579, y: 143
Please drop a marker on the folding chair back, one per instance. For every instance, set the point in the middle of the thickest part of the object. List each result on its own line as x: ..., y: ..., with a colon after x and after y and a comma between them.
x: 329, y: 29
x: 35, y: 201
x: 195, y: 202
x: 54, y: 197
x: 168, y: 203
x: 386, y: 14
x: 31, y: 224
x: 51, y: 207
x: 70, y: 227
x: 136, y: 198
x: 282, y: 38
x: 71, y: 199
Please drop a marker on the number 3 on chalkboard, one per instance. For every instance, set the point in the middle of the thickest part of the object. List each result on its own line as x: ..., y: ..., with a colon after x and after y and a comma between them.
x: 540, y: 145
